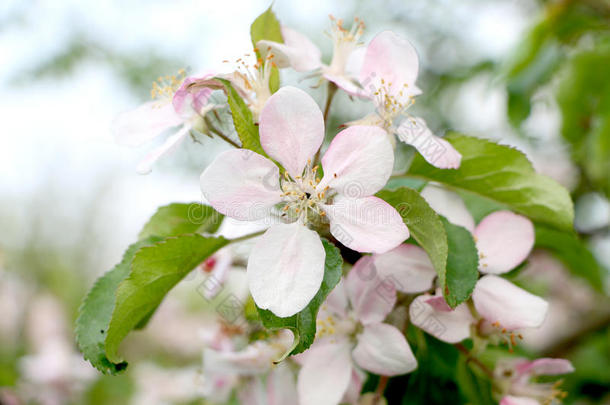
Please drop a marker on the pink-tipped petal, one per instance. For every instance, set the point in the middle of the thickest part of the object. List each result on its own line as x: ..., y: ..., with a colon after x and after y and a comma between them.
x: 451, y: 326
x: 241, y: 184
x: 170, y: 144
x: 358, y: 162
x: 499, y: 300
x: 504, y: 240
x: 297, y: 51
x: 393, y: 60
x: 408, y: 267
x: 291, y: 128
x: 382, y: 349
x: 372, y: 297
x: 366, y: 224
x: 437, y: 151
x: 326, y: 373
x: 448, y: 204
x: 187, y: 100
x: 285, y: 268
x: 544, y: 366
x: 135, y: 127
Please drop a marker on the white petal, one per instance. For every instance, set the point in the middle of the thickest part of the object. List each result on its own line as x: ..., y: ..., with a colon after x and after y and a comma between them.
x: 499, y: 300
x: 254, y: 359
x: 170, y: 144
x: 366, y: 224
x: 325, y: 374
x: 281, y: 385
x: 241, y: 184
x: 297, y: 51
x: 448, y: 204
x: 449, y: 326
x: 372, y: 297
x: 286, y: 268
x: 358, y: 162
x: 408, y: 267
x: 437, y: 151
x: 291, y: 128
x: 355, y: 387
x: 135, y: 127
x: 337, y: 303
x: 383, y: 350
x: 503, y: 240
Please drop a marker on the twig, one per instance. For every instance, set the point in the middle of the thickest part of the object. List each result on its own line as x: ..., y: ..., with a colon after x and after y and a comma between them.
x: 474, y: 360
x: 381, y: 386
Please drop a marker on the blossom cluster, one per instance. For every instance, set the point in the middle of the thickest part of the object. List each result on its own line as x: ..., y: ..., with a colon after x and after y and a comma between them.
x: 305, y: 194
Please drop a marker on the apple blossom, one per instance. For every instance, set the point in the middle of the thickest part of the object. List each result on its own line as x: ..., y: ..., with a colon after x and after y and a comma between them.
x: 503, y: 240
x: 226, y: 368
x: 388, y: 74
x: 515, y: 375
x: 302, y: 55
x: 352, y: 336
x: 286, y: 266
x: 173, y: 105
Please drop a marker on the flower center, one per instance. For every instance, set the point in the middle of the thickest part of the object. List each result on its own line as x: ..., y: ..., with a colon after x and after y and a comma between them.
x: 509, y: 337
x: 301, y: 196
x: 331, y: 325
x: 344, y: 42
x: 165, y: 86
x: 390, y: 104
x: 255, y: 80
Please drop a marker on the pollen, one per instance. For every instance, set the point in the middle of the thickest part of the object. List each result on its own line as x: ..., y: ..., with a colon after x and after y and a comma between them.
x: 509, y: 337
x: 301, y: 197
x: 165, y: 86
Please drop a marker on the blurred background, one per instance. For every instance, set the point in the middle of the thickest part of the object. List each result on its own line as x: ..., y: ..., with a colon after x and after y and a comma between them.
x: 532, y: 74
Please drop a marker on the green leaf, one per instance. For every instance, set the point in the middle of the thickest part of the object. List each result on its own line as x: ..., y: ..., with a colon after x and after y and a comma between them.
x: 462, y: 264
x: 303, y: 324
x: 96, y: 310
x: 242, y: 119
x: 266, y: 26
x: 155, y: 270
x: 424, y: 224
x: 573, y: 253
x: 504, y: 175
x: 180, y: 218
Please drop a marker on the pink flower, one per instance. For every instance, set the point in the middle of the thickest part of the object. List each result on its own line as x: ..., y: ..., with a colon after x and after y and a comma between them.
x: 286, y: 267
x: 173, y: 106
x: 515, y: 377
x: 389, y: 71
x: 503, y: 240
x: 302, y: 55
x: 352, y: 336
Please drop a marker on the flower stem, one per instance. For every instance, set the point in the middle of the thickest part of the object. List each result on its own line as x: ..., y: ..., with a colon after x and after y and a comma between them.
x: 217, y: 132
x: 332, y: 89
x: 474, y: 360
x: 381, y: 386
